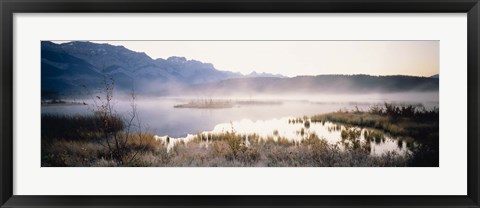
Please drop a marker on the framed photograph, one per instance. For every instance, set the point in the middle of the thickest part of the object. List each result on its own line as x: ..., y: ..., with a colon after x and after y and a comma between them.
x: 267, y: 103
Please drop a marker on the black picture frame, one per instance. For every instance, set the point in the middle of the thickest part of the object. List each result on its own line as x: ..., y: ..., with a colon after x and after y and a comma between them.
x: 10, y: 7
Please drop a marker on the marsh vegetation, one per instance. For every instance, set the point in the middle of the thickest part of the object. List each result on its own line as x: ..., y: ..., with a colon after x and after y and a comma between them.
x: 355, y: 138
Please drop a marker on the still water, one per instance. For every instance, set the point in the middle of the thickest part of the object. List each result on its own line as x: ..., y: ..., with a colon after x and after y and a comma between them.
x: 282, y: 128
x: 160, y: 117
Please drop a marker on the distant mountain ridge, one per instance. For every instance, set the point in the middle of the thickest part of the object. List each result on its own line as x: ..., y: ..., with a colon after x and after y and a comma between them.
x: 138, y: 64
x: 263, y: 74
x: 76, y: 67
x: 68, y: 66
x: 321, y: 84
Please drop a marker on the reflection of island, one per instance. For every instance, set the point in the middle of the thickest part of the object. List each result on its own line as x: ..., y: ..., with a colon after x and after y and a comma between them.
x: 211, y: 104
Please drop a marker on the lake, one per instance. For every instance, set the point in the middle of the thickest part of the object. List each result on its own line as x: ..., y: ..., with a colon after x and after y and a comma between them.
x: 158, y: 115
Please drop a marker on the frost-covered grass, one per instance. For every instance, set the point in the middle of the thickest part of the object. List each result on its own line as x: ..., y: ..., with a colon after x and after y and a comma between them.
x: 79, y: 141
x: 213, y: 150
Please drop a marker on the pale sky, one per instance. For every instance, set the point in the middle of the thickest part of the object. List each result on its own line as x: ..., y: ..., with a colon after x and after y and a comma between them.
x: 292, y: 58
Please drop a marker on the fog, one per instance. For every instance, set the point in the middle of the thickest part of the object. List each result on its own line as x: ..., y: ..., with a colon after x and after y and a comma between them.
x: 368, y: 98
x: 159, y: 115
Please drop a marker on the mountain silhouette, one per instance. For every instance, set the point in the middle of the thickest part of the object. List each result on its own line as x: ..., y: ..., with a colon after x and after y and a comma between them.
x: 74, y: 68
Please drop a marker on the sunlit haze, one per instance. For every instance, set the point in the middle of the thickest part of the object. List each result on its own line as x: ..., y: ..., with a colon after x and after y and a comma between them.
x: 293, y: 58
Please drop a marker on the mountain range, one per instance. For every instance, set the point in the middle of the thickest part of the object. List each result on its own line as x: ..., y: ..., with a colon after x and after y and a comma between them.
x: 77, y: 67
x: 324, y: 84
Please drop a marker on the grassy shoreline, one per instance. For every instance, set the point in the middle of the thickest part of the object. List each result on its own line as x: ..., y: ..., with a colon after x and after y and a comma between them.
x: 80, y: 141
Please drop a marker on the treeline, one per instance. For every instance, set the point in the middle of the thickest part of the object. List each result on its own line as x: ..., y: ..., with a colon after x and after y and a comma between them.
x: 320, y: 84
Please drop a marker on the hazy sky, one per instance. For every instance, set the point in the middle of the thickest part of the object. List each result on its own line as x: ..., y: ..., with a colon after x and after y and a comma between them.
x: 292, y: 58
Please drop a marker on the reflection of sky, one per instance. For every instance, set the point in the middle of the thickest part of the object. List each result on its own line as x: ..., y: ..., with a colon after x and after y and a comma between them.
x: 266, y: 128
x: 162, y: 118
x: 291, y: 131
x: 159, y: 116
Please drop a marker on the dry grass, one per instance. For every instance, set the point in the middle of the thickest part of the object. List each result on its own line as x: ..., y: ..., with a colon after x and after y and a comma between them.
x: 227, y: 150
x: 77, y: 143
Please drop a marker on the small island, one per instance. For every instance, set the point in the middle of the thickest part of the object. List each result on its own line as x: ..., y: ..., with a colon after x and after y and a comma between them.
x: 207, y: 104
x: 60, y: 102
x: 215, y: 104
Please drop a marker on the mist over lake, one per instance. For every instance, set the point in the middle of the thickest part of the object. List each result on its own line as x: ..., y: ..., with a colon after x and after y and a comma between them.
x: 159, y: 115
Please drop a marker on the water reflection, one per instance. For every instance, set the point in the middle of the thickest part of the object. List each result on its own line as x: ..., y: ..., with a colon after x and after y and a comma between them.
x: 160, y: 116
x: 266, y: 118
x: 376, y: 142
